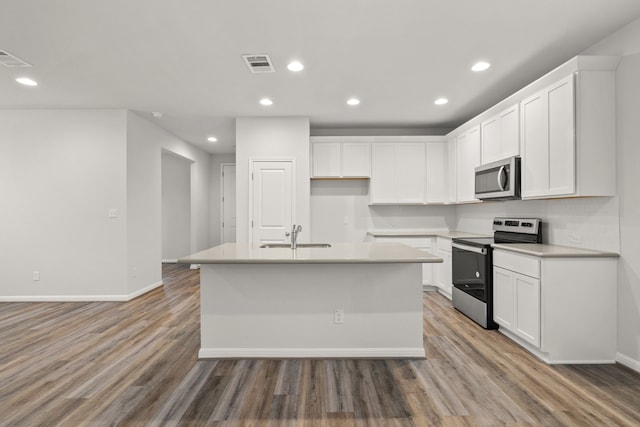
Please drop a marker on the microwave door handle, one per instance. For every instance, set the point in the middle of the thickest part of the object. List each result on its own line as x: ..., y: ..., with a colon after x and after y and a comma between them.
x: 500, y: 173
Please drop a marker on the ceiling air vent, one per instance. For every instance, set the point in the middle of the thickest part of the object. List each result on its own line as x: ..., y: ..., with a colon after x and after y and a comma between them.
x: 258, y: 63
x: 11, y: 61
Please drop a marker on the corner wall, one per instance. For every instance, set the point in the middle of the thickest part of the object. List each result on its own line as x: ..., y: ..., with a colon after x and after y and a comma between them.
x: 626, y: 42
x: 144, y: 152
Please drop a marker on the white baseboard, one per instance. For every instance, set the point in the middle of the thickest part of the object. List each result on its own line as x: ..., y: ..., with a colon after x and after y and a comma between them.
x: 80, y: 298
x: 65, y: 298
x: 628, y: 362
x: 312, y: 353
x: 194, y: 267
x: 144, y: 290
x: 169, y: 261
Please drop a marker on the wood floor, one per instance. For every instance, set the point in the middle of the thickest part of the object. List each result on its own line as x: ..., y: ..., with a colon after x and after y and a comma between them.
x: 135, y: 364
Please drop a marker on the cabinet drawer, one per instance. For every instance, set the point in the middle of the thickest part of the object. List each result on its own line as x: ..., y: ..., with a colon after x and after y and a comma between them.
x: 522, y: 264
x: 416, y: 242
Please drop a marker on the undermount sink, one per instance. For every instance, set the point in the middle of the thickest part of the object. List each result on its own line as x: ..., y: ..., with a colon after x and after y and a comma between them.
x: 300, y: 245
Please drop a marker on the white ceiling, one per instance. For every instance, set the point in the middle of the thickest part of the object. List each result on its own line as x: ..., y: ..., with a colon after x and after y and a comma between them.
x: 183, y: 57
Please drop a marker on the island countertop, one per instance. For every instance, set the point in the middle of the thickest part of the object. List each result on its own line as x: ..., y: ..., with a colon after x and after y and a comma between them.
x: 338, y: 253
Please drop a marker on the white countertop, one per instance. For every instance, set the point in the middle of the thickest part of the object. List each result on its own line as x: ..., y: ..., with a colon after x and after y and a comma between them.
x: 346, y: 253
x: 421, y: 232
x: 553, y: 251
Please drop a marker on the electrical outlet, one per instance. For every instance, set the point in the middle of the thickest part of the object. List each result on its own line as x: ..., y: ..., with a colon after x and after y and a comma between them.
x: 346, y: 220
x: 113, y: 213
x: 338, y: 316
x: 575, y: 239
x: 36, y: 276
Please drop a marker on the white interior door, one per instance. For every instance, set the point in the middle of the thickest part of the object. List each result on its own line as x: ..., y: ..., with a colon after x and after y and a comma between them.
x: 272, y: 201
x: 228, y: 234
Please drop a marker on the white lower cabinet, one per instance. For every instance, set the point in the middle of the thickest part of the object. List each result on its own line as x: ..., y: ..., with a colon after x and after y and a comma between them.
x: 562, y: 309
x: 517, y: 304
x: 442, y: 273
x: 424, y: 244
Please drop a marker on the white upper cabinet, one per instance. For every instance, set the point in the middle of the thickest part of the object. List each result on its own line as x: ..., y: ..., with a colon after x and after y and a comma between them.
x: 356, y: 159
x: 548, y: 141
x: 437, y: 189
x: 468, y: 158
x: 452, y: 179
x: 398, y: 173
x: 562, y: 126
x: 568, y: 138
x: 411, y: 172
x: 501, y: 135
x: 340, y: 159
x: 326, y: 159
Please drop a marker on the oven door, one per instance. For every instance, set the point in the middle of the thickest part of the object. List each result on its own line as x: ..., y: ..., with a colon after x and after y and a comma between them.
x: 470, y: 268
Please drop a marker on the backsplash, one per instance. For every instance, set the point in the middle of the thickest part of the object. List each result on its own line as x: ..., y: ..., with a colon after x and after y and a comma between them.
x: 591, y: 223
x: 332, y: 201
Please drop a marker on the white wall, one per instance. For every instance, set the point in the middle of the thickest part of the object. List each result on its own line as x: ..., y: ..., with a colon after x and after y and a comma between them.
x: 146, y: 142
x: 333, y: 200
x: 626, y: 42
x: 593, y: 221
x: 60, y: 173
x: 176, y: 207
x: 628, y: 80
x: 216, y: 196
x: 272, y: 138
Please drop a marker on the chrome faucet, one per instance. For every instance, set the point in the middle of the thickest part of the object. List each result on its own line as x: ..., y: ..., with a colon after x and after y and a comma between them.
x: 294, y: 236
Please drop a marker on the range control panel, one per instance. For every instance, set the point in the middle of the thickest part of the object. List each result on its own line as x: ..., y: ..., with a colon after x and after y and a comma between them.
x: 517, y: 225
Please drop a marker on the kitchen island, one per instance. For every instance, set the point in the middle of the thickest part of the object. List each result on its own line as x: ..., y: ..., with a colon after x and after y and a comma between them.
x: 361, y: 300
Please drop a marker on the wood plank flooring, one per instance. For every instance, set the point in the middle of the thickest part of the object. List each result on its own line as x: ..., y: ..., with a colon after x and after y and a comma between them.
x: 135, y: 364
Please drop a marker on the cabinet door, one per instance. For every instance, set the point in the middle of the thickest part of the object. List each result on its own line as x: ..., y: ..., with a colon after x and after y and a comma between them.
x: 452, y: 178
x: 510, y: 132
x: 383, y: 173
x: 410, y: 169
x: 491, y: 140
x: 528, y: 308
x: 356, y: 159
x: 535, y: 146
x: 468, y: 159
x: 443, y: 274
x: 436, y: 172
x: 561, y: 104
x: 504, y: 298
x: 326, y: 159
x: 548, y: 141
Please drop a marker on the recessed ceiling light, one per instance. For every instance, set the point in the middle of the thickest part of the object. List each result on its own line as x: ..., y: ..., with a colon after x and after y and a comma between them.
x: 480, y: 66
x: 295, y: 66
x: 26, y: 81
x: 157, y: 114
x: 212, y: 139
x: 353, y: 101
x: 441, y: 101
x: 266, y: 101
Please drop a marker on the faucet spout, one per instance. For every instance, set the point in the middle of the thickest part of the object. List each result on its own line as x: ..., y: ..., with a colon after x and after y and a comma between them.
x: 294, y: 236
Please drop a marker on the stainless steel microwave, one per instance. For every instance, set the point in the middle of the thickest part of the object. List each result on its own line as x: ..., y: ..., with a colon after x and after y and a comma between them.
x: 499, y: 180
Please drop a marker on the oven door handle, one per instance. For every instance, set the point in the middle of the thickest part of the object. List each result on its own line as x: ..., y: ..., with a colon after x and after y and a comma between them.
x: 482, y: 251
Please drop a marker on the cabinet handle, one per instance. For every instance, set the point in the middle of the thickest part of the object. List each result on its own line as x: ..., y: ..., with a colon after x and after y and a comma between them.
x: 501, y: 172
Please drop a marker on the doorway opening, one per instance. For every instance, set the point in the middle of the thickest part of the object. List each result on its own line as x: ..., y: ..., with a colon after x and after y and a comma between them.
x: 176, y: 206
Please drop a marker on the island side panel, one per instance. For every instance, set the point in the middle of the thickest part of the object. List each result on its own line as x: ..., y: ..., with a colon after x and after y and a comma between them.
x: 287, y: 310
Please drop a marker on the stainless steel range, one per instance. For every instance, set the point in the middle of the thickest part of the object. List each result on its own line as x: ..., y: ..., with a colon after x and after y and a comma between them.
x: 472, y: 262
